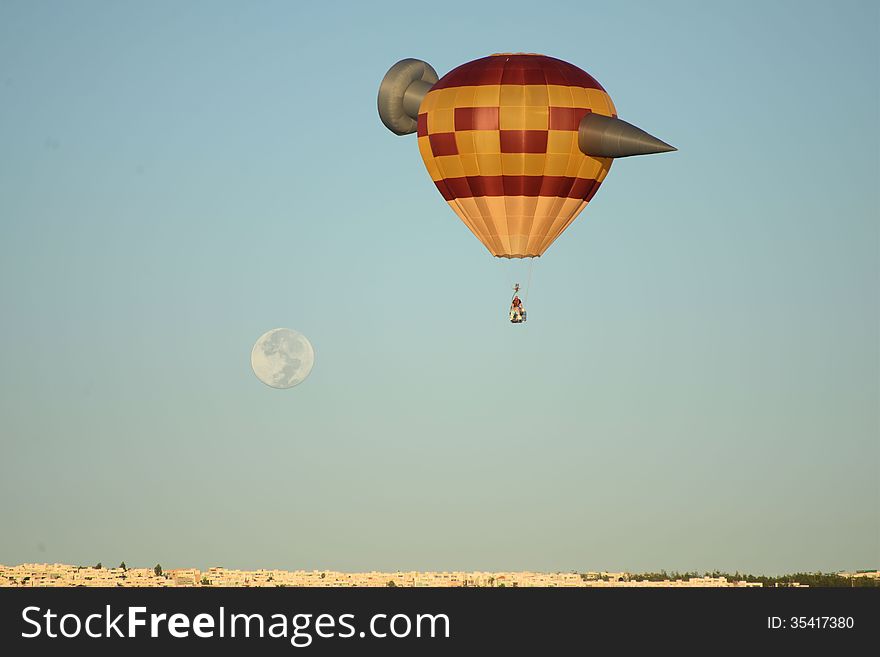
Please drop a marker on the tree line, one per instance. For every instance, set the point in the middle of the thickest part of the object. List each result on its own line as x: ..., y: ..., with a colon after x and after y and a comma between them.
x: 806, y: 579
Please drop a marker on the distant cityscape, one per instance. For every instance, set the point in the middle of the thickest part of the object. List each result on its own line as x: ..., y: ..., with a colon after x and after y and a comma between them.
x: 64, y: 575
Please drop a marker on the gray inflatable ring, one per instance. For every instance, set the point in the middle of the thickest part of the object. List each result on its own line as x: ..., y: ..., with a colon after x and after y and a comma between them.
x: 394, y: 86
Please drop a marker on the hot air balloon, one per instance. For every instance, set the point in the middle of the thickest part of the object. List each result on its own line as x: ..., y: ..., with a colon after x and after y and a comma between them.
x: 516, y: 143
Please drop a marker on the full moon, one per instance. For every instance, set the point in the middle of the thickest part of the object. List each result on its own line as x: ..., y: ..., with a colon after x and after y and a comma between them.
x: 282, y: 358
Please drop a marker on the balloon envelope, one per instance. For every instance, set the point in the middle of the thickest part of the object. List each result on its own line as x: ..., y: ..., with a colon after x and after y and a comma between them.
x: 499, y: 137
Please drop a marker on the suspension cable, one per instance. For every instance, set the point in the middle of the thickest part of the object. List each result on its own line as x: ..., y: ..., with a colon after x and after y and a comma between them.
x: 529, y: 282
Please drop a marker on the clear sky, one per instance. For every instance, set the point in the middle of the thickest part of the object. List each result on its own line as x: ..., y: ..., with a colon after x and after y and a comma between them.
x: 698, y: 384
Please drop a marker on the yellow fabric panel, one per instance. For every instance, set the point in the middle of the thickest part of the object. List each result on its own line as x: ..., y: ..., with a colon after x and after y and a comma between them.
x: 512, y: 163
x: 599, y: 102
x: 481, y: 212
x: 517, y: 226
x: 441, y: 120
x: 562, y: 141
x: 560, y: 96
x: 546, y: 210
x: 590, y: 167
x: 470, y: 207
x: 487, y: 96
x: 611, y: 105
x: 556, y: 165
x: 518, y: 245
x: 512, y: 94
x: 447, y: 102
x: 489, y: 164
x: 496, y: 226
x: 535, y: 95
x: 521, y: 205
x: 567, y: 212
x: 429, y: 102
x: 450, y: 166
x: 520, y: 211
x: 523, y: 164
x: 469, y: 164
x: 532, y: 95
x: 500, y: 222
x: 428, y: 158
x: 579, y: 97
x: 464, y: 96
x: 495, y: 205
x: 492, y: 226
x: 574, y: 165
x: 523, y: 118
x: 466, y: 215
x: 464, y: 142
x: 570, y: 208
x: 486, y: 141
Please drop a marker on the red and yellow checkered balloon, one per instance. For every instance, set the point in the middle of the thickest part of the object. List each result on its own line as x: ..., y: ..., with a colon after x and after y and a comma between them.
x: 499, y: 137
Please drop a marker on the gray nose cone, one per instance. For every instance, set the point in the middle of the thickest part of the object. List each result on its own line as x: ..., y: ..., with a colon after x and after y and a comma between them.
x: 606, y: 136
x: 401, y: 92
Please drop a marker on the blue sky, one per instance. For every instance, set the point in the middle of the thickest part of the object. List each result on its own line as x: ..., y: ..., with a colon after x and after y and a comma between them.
x: 698, y: 385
